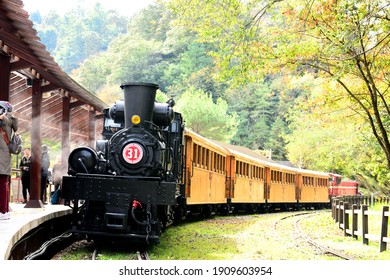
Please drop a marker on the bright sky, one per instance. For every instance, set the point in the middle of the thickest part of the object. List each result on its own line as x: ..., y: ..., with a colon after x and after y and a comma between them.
x: 123, y: 7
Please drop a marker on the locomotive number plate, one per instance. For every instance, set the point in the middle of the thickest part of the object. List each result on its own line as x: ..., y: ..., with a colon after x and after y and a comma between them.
x: 132, y: 153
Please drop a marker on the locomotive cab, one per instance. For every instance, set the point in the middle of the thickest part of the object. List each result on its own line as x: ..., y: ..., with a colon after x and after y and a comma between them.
x: 109, y: 126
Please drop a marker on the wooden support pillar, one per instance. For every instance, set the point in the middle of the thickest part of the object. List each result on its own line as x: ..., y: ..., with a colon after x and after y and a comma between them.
x: 5, y: 74
x: 36, y: 146
x: 92, y: 128
x: 65, y: 141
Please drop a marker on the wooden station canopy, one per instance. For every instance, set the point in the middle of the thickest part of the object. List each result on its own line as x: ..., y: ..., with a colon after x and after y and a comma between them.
x: 47, y: 102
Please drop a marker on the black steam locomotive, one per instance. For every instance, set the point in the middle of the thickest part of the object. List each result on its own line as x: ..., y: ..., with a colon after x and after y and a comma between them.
x: 127, y: 186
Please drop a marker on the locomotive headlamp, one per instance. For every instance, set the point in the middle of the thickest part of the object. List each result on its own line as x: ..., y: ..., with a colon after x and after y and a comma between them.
x: 135, y: 119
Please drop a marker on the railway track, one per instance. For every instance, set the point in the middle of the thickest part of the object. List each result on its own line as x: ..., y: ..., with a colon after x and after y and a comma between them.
x: 143, y: 256
x: 316, y: 244
x: 299, y: 239
x: 284, y: 235
x: 95, y: 254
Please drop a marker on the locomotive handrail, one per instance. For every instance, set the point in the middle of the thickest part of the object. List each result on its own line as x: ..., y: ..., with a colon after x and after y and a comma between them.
x: 119, y: 177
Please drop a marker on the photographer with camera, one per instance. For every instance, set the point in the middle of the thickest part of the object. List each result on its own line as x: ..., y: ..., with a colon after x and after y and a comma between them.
x: 24, y: 166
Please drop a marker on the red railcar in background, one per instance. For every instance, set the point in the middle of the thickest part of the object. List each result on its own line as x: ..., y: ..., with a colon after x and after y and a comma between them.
x: 339, y: 187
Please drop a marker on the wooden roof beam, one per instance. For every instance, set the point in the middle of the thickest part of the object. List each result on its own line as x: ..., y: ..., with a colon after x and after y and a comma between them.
x: 21, y: 64
x: 76, y: 104
x: 50, y: 87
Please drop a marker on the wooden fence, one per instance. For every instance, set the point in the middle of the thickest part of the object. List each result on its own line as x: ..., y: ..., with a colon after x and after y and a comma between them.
x: 348, y: 215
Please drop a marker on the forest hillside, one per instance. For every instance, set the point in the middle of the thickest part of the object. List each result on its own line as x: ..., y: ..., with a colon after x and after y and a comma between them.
x: 306, y: 84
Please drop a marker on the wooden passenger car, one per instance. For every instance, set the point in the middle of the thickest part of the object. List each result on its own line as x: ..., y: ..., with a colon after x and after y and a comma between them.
x: 206, y: 166
x: 246, y: 172
x: 281, y: 184
x: 225, y: 176
x: 313, y: 187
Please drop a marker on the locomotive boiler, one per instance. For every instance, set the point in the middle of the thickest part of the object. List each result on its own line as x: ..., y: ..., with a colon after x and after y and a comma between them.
x: 127, y: 186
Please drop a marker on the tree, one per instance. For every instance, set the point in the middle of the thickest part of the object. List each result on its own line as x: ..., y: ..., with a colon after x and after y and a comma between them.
x: 135, y: 59
x: 351, y: 40
x: 78, y: 34
x: 344, y: 41
x: 276, y: 141
x: 205, y: 117
x: 255, y: 114
x: 148, y: 52
x: 151, y: 23
x: 191, y: 65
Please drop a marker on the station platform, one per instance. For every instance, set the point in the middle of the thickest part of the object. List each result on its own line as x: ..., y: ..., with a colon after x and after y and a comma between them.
x: 23, y: 220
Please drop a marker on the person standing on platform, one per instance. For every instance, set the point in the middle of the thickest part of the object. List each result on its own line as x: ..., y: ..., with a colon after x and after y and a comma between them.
x: 45, y: 164
x: 24, y: 166
x: 6, y: 125
x: 57, y: 180
x: 57, y: 173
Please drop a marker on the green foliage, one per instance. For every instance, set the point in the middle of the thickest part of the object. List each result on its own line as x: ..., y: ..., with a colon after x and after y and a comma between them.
x: 329, y: 135
x: 276, y: 142
x: 151, y: 23
x: 132, y: 59
x: 93, y: 73
x: 111, y: 94
x: 253, y: 106
x: 192, y: 67
x: 168, y: 57
x: 78, y: 34
x: 343, y: 41
x: 205, y: 117
x: 268, y: 72
x: 261, y: 124
x: 161, y: 97
x: 155, y: 49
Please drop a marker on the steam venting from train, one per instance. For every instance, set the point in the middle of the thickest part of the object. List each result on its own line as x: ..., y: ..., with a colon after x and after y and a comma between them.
x: 139, y: 146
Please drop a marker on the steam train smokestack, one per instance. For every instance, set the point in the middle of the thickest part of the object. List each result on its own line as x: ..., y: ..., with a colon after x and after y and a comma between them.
x: 139, y: 100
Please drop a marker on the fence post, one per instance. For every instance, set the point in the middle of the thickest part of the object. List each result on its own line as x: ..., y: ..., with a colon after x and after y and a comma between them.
x: 364, y: 224
x: 341, y: 213
x: 354, y: 221
x: 384, y: 228
x: 345, y: 217
x: 337, y: 211
x: 334, y: 207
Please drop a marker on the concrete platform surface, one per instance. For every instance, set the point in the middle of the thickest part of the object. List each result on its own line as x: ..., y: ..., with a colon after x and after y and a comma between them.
x: 23, y: 220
